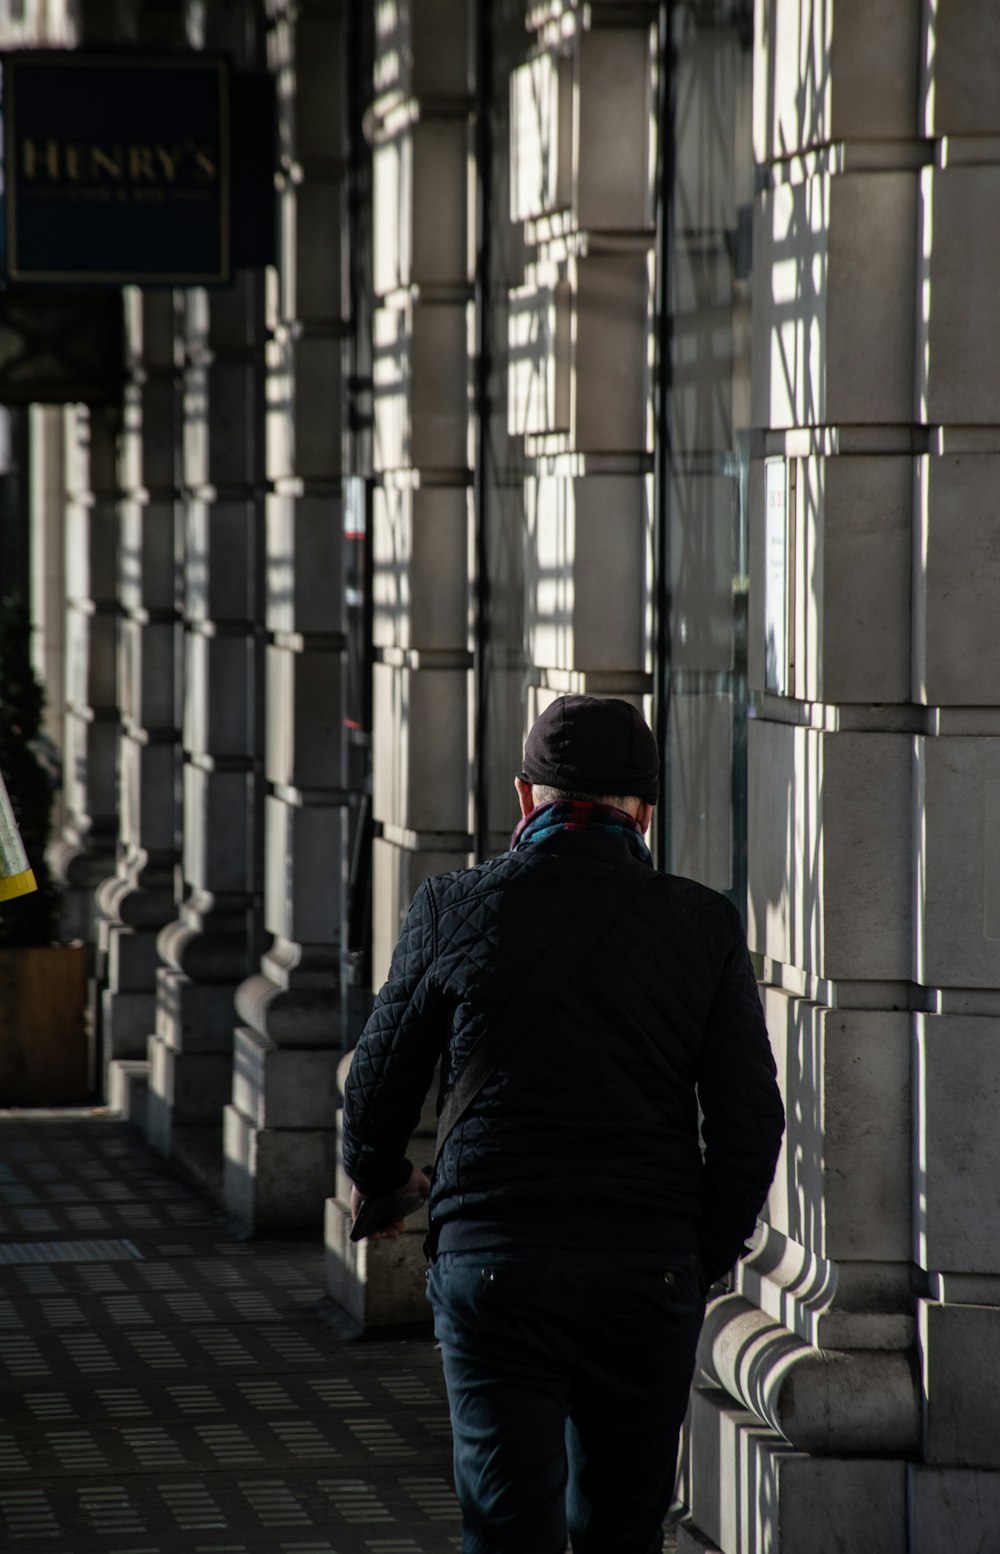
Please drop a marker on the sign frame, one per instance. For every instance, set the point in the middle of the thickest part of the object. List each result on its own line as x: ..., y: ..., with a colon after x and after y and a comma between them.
x: 16, y: 273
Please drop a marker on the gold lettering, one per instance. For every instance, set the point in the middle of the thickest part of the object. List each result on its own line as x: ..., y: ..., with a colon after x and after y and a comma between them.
x: 110, y: 161
x: 205, y: 164
x: 156, y: 164
x: 141, y: 164
x: 41, y: 157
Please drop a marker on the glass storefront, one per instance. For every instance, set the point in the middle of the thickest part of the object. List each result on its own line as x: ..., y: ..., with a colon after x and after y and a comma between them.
x: 703, y: 484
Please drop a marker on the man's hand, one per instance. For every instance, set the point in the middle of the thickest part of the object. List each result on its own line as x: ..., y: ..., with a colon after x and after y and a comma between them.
x: 419, y: 1182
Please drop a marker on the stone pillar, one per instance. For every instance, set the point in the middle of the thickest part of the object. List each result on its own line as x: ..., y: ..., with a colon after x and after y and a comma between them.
x: 139, y: 899
x: 280, y: 1134
x: 421, y: 769
x: 954, y: 1490
x: 84, y: 853
x: 783, y: 1455
x: 579, y: 358
x: 47, y: 497
x: 421, y: 119
x: 215, y: 941
x: 213, y: 944
x: 53, y: 25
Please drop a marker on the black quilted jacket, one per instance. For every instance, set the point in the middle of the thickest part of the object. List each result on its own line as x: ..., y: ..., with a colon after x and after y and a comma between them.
x: 591, y: 1124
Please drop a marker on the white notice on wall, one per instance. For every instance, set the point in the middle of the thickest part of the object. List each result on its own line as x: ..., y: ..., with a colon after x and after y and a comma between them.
x: 776, y: 576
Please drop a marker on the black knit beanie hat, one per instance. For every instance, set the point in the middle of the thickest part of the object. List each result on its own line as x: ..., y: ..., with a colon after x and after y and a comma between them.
x: 593, y: 744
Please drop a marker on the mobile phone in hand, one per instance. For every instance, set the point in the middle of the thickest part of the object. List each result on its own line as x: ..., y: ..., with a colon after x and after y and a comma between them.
x: 384, y: 1209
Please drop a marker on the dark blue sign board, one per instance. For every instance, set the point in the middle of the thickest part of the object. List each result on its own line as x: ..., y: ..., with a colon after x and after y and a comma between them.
x: 117, y: 169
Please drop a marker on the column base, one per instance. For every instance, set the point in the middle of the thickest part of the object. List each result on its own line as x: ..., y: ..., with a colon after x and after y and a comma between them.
x: 379, y: 1283
x: 194, y: 1017
x: 382, y: 1283
x: 752, y: 1493
x: 126, y: 1021
x: 126, y: 964
x: 128, y: 1002
x: 957, y: 1509
x: 277, y: 1178
x: 692, y: 1541
x: 128, y: 1090
x: 197, y: 1151
x: 284, y: 1087
x: 186, y: 1089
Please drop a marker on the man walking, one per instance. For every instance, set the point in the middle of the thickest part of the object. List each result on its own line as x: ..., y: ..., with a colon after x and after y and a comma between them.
x: 577, y: 1218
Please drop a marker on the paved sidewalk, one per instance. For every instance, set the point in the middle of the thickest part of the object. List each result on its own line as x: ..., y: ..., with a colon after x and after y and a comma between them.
x: 166, y: 1388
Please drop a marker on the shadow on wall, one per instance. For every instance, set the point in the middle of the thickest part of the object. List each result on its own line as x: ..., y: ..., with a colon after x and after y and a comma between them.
x: 731, y: 1466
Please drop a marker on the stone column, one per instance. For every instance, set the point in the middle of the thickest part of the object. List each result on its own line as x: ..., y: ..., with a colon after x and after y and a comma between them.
x: 280, y: 1133
x: 421, y: 770
x: 215, y: 941
x: 421, y: 132
x: 800, y: 1436
x: 579, y: 353
x: 498, y: 554
x: 84, y: 853
x: 139, y: 899
x: 212, y: 946
x: 47, y: 497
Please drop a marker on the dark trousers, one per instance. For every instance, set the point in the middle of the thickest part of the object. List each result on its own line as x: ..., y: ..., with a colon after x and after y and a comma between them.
x: 568, y: 1377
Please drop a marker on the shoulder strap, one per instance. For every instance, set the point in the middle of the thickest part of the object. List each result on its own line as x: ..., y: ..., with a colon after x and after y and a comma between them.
x: 536, y: 992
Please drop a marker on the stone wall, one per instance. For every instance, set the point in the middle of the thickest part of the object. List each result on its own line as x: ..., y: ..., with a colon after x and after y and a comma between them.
x: 521, y: 387
x: 579, y: 386
x: 421, y: 136
x: 280, y: 1126
x: 420, y: 131
x: 871, y: 866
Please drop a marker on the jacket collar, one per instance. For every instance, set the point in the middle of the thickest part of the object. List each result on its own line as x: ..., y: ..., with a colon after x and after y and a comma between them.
x: 562, y: 815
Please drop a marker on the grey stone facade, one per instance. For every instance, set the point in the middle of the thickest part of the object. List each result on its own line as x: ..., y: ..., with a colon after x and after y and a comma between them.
x: 594, y: 357
x: 279, y: 1129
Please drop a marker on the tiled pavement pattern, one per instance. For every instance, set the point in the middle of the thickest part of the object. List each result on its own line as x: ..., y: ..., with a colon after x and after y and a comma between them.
x: 166, y: 1388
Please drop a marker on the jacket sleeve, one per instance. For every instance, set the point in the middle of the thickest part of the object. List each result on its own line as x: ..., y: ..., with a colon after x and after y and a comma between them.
x: 743, y: 1118
x: 395, y: 1059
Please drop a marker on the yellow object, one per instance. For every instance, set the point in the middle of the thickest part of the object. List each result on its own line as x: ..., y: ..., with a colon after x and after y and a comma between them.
x: 16, y: 878
x: 16, y: 884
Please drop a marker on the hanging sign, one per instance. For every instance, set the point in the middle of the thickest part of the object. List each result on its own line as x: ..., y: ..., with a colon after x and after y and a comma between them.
x: 116, y: 168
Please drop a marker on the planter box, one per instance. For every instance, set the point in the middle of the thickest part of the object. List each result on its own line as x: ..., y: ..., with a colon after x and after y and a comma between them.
x: 43, y: 1043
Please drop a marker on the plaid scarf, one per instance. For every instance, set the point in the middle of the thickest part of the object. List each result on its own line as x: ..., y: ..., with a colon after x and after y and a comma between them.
x: 578, y: 815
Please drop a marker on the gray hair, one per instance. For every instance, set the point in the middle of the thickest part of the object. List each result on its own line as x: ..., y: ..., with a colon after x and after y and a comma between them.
x: 627, y: 802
